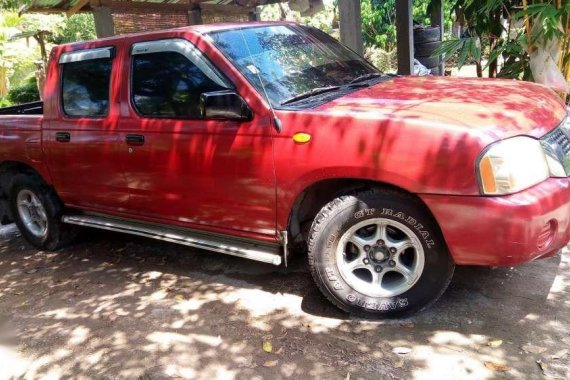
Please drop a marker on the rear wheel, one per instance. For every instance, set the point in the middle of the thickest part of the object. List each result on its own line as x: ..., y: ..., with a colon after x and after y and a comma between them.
x: 379, y: 253
x: 37, y: 212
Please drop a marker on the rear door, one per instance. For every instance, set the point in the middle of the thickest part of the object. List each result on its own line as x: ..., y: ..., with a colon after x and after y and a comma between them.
x: 182, y: 168
x: 81, y: 138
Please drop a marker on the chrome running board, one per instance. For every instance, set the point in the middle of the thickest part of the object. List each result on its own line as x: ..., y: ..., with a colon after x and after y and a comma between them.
x: 267, y: 253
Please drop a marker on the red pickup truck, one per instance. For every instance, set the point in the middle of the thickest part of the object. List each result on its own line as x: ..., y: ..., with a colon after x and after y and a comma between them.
x: 257, y: 140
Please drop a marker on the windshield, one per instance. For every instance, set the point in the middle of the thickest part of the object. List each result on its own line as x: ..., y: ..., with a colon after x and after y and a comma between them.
x: 290, y: 59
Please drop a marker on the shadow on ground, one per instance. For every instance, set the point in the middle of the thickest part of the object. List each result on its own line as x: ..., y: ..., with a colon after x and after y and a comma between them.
x: 116, y: 306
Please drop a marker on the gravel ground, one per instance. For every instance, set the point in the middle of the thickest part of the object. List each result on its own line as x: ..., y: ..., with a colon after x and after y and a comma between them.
x: 114, y: 306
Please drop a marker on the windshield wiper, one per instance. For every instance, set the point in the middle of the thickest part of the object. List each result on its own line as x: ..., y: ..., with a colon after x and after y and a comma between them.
x: 365, y: 77
x: 308, y: 94
x: 320, y: 90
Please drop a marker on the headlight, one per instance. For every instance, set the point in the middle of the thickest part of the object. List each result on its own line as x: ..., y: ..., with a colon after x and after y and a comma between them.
x: 512, y: 165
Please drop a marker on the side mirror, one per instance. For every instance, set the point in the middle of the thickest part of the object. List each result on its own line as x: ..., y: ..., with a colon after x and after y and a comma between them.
x: 224, y: 105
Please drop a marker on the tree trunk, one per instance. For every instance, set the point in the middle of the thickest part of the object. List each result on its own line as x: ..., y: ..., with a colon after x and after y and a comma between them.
x: 479, y: 70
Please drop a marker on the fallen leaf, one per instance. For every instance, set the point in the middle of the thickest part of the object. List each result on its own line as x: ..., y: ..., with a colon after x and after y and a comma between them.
x: 279, y: 351
x: 497, y: 366
x: 31, y: 271
x: 267, y: 347
x: 18, y: 293
x: 407, y: 325
x: 399, y: 363
x: 402, y: 350
x: 495, y: 343
x: 543, y: 366
x: 566, y: 340
x: 270, y: 363
x: 179, y: 297
x: 559, y: 355
x: 347, y: 376
x: 532, y: 349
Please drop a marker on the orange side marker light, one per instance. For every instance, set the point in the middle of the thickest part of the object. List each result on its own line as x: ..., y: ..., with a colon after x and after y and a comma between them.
x: 301, y: 137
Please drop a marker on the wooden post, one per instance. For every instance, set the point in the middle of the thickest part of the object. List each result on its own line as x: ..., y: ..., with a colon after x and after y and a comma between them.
x: 437, y: 19
x: 104, y: 26
x: 350, y: 24
x: 195, y: 16
x: 405, y: 36
x: 253, y: 15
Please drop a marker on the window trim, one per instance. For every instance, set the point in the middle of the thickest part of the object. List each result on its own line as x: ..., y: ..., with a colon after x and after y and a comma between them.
x: 87, y: 55
x: 184, y: 48
x: 84, y: 58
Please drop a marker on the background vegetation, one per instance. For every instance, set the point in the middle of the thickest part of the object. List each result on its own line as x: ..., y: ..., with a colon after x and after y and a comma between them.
x: 20, y: 51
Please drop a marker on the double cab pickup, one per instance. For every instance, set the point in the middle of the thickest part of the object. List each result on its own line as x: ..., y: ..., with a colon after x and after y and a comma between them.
x: 260, y: 140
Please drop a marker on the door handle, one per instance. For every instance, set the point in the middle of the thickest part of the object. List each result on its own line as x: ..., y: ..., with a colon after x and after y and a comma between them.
x: 135, y: 140
x: 63, y: 137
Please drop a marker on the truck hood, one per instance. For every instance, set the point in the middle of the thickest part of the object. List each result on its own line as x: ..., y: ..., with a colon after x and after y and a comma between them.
x: 494, y: 108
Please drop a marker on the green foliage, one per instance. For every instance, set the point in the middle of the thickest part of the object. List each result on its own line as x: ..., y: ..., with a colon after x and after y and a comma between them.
x: 26, y: 92
x: 379, y: 20
x: 4, y: 102
x: 379, y: 23
x: 548, y: 21
x: 12, y: 5
x: 486, y: 34
x: 78, y: 27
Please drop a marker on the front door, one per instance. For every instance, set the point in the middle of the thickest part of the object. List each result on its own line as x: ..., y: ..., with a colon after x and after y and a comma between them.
x: 179, y: 167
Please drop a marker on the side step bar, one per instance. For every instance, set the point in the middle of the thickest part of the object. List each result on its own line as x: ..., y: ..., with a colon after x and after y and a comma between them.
x: 266, y: 253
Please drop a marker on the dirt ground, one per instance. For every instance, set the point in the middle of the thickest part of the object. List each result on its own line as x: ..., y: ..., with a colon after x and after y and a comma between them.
x: 115, y: 306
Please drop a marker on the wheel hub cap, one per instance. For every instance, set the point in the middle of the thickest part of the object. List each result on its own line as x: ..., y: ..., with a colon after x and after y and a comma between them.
x: 380, y: 257
x: 32, y: 213
x: 379, y: 254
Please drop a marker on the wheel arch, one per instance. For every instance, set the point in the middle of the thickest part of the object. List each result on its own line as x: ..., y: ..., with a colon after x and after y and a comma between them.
x: 9, y: 169
x: 315, y: 196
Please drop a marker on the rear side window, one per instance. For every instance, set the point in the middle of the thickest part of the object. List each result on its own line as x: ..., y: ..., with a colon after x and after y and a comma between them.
x: 85, y: 87
x: 167, y: 84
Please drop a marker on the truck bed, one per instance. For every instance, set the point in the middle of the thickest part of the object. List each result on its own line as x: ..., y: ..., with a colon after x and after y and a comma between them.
x: 32, y: 108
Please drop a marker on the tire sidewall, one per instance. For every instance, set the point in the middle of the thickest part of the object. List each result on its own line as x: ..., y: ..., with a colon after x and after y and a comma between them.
x: 437, y: 271
x: 26, y: 183
x: 427, y: 34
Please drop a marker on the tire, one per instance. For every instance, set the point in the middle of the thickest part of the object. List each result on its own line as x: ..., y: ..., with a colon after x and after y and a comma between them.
x: 427, y: 34
x: 47, y: 209
x: 426, y: 50
x: 429, y: 62
x: 396, y: 295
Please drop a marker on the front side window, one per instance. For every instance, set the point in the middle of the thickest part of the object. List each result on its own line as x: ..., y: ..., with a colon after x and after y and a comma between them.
x: 168, y: 84
x: 85, y: 87
x: 287, y: 60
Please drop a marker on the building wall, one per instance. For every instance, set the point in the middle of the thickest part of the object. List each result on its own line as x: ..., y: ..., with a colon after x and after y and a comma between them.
x: 141, y: 20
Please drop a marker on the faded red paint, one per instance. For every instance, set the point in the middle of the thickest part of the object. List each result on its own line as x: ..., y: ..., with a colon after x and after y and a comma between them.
x: 420, y: 134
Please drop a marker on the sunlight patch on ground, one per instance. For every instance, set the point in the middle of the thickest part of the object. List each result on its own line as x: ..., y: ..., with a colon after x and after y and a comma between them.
x: 13, y: 365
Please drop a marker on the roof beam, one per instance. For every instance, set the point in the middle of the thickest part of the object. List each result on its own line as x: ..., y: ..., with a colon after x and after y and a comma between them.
x: 150, y: 7
x: 76, y: 8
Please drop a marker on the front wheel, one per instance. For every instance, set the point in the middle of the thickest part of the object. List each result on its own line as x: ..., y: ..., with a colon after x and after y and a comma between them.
x: 379, y: 253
